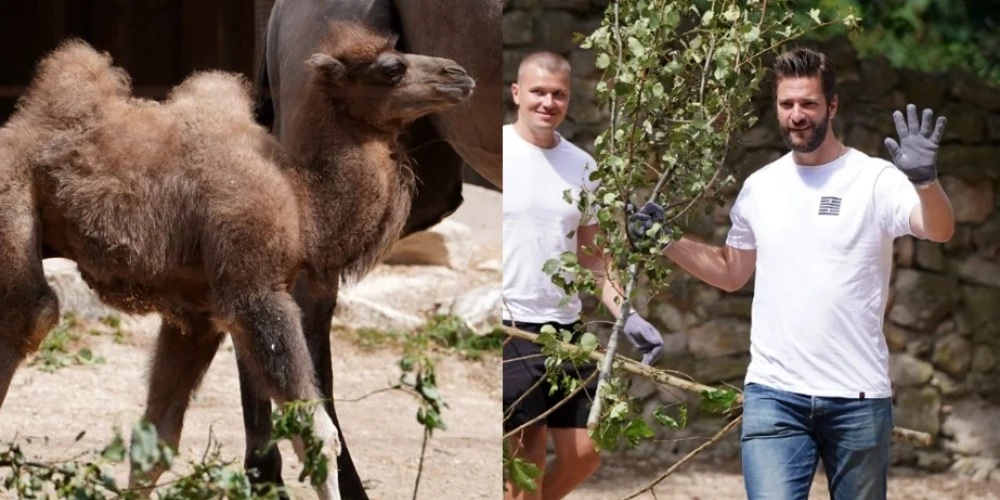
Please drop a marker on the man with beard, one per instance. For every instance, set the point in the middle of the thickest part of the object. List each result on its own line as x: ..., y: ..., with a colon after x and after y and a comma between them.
x: 817, y: 226
x: 539, y: 165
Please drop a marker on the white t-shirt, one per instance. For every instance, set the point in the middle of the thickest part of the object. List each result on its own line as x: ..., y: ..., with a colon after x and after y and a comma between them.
x: 824, y: 237
x: 536, y: 222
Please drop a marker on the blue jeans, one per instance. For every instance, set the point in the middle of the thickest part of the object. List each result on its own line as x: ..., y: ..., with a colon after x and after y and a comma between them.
x: 786, y: 434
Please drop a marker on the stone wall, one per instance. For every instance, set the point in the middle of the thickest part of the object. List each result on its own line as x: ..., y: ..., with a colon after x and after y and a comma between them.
x: 943, y: 318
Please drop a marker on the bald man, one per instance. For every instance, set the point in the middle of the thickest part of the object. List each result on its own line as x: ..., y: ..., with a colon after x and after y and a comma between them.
x: 538, y: 225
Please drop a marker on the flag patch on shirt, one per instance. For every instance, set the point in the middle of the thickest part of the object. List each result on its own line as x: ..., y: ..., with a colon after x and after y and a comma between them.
x: 829, y: 205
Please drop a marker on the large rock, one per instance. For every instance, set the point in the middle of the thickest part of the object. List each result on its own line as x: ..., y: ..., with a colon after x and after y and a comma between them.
x: 517, y: 28
x: 907, y: 371
x: 976, y: 269
x: 924, y: 89
x: 922, y: 298
x: 977, y: 314
x: 960, y: 241
x: 976, y: 93
x: 986, y: 238
x: 556, y: 29
x: 971, y: 429
x: 895, y: 337
x: 966, y: 125
x: 719, y: 337
x: 710, y: 371
x: 445, y: 244
x: 573, y: 5
x: 479, y: 308
x: 362, y: 312
x: 930, y: 256
x: 953, y: 355
x: 969, y: 162
x: 919, y: 409
x: 970, y: 201
x: 482, y: 212
x: 949, y: 387
x: 994, y: 124
x: 74, y: 294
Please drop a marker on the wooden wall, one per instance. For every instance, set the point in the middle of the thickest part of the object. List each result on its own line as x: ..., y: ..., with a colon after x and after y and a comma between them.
x: 159, y: 42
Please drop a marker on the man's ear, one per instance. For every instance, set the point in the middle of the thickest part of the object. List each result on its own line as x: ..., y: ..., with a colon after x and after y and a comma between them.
x: 515, y: 94
x: 833, y: 107
x: 329, y: 69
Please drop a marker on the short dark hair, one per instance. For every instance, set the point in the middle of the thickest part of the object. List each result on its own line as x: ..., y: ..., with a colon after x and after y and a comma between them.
x: 804, y: 63
x: 546, y: 59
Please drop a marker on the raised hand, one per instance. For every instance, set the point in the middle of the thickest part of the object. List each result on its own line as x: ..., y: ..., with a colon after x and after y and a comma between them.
x: 644, y: 337
x: 916, y: 152
x: 639, y: 223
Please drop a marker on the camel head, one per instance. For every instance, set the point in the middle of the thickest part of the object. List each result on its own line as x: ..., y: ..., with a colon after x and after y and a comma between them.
x: 359, y: 69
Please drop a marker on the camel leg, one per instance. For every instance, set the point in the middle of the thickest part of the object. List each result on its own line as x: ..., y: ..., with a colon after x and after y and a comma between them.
x: 182, y: 358
x: 268, y: 337
x: 317, y: 316
x: 29, y: 308
x: 316, y: 324
x: 257, y: 427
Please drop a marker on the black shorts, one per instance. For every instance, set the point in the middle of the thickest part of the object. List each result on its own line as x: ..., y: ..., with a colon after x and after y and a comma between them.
x: 527, y: 367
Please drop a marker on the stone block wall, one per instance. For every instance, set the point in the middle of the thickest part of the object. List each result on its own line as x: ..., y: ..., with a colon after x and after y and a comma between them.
x: 943, y: 318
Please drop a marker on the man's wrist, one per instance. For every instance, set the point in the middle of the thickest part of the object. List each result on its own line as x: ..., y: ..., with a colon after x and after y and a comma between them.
x: 925, y: 185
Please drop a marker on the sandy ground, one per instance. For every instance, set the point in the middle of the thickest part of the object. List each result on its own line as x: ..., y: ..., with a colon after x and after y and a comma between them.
x: 463, y: 462
x: 719, y: 481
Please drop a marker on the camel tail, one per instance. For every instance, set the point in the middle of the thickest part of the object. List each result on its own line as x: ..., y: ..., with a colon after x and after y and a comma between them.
x: 73, y: 81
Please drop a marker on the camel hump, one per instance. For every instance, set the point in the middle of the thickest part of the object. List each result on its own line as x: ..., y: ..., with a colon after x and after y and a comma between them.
x: 215, y: 92
x: 75, y: 79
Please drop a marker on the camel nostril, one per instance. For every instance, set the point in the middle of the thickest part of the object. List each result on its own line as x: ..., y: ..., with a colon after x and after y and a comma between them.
x: 453, y: 71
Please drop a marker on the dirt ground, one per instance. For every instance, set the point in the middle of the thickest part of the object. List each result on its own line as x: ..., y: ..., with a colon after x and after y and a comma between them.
x: 463, y: 461
x: 723, y: 481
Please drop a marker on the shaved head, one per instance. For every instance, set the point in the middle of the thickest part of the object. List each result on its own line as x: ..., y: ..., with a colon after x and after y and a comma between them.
x: 544, y: 59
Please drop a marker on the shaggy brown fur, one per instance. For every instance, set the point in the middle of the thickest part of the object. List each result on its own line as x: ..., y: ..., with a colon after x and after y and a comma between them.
x: 189, y: 209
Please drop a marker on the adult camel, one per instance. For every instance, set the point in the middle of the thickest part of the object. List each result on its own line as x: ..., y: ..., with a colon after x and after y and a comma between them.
x: 466, y: 31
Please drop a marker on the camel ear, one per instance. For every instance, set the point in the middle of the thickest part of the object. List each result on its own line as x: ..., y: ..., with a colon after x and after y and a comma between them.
x: 328, y: 68
x: 393, y: 40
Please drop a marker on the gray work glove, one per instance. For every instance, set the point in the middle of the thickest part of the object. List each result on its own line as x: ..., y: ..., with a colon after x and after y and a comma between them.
x: 639, y: 223
x: 917, y: 152
x: 645, y: 337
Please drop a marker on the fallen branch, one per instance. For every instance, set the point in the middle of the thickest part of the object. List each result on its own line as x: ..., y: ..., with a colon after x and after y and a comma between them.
x: 718, y: 435
x: 661, y: 377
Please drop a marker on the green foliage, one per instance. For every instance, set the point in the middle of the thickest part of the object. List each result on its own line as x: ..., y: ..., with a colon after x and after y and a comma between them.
x: 718, y: 400
x: 55, y: 351
x: 926, y: 35
x: 444, y: 331
x: 621, y: 417
x: 296, y: 420
x: 519, y: 471
x: 210, y: 478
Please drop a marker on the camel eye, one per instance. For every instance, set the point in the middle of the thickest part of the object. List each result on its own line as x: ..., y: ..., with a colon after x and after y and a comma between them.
x: 394, y: 71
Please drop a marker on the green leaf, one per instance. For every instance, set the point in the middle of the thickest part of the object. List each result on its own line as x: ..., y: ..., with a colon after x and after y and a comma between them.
x: 732, y: 13
x: 707, y: 18
x: 551, y: 266
x: 588, y: 341
x: 814, y: 14
x: 664, y: 419
x: 636, y: 47
x: 114, y: 452
x: 523, y: 474
x: 603, y: 61
x: 752, y: 35
x: 569, y: 258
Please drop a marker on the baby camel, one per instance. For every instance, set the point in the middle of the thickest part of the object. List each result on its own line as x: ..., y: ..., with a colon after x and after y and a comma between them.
x: 189, y: 209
